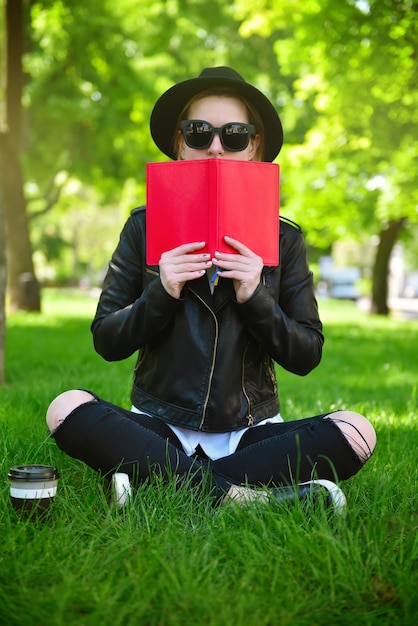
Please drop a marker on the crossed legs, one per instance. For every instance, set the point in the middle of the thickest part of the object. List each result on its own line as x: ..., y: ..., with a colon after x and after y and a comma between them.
x: 331, y: 445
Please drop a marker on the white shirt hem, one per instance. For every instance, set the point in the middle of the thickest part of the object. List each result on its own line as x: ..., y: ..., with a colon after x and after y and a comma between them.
x: 214, y: 445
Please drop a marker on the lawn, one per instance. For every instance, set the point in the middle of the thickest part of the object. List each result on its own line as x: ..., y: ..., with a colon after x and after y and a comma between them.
x: 169, y: 559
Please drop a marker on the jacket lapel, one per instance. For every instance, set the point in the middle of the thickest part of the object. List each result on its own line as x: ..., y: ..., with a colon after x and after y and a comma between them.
x: 223, y: 292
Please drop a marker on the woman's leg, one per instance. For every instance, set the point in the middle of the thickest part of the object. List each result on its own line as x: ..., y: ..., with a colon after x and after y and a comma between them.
x: 64, y: 404
x: 332, y: 447
x: 358, y: 432
x: 109, y: 439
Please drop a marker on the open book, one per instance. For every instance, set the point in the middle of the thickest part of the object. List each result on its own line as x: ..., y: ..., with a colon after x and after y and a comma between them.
x: 204, y: 200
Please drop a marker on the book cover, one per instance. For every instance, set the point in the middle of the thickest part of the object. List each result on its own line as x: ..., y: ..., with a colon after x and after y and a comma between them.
x: 204, y: 200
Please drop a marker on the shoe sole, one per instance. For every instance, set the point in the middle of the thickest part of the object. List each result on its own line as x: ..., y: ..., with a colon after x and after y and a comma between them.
x: 336, y: 496
x: 328, y: 492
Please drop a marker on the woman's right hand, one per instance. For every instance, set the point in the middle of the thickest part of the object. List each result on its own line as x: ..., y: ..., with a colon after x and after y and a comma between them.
x: 181, y: 264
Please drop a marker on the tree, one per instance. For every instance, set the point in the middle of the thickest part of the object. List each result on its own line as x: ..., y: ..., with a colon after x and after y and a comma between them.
x: 87, y: 83
x: 18, y: 246
x: 352, y: 165
x: 3, y: 271
x: 3, y: 279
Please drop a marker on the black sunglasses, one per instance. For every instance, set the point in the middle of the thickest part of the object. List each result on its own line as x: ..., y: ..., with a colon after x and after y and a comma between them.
x: 234, y: 136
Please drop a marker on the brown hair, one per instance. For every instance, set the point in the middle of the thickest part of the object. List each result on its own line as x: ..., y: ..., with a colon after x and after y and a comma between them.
x: 253, y: 117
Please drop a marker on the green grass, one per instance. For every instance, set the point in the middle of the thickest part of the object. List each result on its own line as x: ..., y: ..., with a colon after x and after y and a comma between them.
x: 170, y: 559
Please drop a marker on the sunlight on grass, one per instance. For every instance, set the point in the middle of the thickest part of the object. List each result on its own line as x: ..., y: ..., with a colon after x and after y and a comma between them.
x: 70, y: 303
x: 171, y: 559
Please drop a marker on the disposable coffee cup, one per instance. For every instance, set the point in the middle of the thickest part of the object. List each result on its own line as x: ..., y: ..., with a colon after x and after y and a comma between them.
x: 33, y: 488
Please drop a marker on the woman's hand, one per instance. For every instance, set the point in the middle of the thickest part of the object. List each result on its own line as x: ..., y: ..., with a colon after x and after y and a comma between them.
x: 244, y: 268
x: 179, y: 265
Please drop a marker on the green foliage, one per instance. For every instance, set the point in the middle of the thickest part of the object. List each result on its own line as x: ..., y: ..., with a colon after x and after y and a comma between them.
x: 93, y: 74
x: 341, y: 72
x: 76, y: 242
x: 96, y: 70
x: 353, y: 108
x: 172, y: 559
x: 82, y: 96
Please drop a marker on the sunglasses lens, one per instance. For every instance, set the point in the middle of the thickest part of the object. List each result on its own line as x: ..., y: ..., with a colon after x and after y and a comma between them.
x: 235, y: 137
x: 198, y: 134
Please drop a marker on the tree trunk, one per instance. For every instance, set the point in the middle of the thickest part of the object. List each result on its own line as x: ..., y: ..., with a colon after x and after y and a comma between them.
x: 387, y: 240
x: 3, y: 281
x: 23, y: 286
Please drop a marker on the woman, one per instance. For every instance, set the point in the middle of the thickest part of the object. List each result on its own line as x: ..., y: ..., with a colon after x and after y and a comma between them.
x: 204, y: 400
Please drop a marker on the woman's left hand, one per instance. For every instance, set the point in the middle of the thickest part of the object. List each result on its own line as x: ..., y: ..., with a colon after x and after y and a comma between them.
x: 244, y: 268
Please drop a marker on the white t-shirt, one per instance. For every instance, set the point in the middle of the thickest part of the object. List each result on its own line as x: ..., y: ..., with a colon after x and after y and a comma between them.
x: 214, y: 445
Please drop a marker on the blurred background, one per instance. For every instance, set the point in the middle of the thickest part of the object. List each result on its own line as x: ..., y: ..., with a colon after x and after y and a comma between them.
x: 79, y: 80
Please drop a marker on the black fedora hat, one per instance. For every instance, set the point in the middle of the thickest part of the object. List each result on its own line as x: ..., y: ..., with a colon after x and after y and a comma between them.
x: 168, y: 107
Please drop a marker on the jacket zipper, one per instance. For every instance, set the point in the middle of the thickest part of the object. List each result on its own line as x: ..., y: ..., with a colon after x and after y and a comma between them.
x: 141, y: 358
x: 272, y: 375
x: 212, y: 368
x: 250, y: 419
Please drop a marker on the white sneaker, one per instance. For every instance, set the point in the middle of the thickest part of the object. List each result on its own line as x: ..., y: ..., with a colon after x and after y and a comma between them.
x: 121, y: 489
x: 325, y: 490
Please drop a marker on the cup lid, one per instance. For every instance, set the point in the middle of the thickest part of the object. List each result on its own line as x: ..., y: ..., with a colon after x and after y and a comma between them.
x: 33, y: 473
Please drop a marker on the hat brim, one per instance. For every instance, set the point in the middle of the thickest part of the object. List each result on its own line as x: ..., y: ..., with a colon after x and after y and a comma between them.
x: 168, y: 107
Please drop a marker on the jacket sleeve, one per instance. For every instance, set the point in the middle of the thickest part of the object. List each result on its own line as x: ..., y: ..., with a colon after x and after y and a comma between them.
x: 131, y: 310
x: 287, y: 324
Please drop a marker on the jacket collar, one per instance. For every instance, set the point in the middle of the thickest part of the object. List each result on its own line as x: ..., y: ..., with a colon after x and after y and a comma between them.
x: 223, y: 293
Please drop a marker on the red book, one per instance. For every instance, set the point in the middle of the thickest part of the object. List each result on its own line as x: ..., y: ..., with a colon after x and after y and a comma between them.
x: 205, y: 200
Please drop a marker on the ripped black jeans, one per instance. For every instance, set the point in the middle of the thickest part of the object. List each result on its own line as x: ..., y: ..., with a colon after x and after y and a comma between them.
x: 109, y: 438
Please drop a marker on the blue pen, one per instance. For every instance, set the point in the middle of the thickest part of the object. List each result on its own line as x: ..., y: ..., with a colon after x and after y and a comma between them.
x: 215, y: 278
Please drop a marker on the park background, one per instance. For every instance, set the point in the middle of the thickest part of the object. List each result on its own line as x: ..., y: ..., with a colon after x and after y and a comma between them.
x: 79, y: 80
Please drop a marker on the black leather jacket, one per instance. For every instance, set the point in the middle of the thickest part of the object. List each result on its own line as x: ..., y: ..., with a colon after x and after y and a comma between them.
x: 207, y: 362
